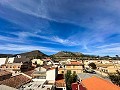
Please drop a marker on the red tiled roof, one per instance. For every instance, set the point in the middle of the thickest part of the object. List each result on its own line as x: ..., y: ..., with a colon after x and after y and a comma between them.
x: 49, y: 67
x: 60, y: 81
x: 16, y: 81
x: 29, y: 73
x: 78, y: 86
x: 96, y: 83
x: 74, y: 63
x: 3, y: 72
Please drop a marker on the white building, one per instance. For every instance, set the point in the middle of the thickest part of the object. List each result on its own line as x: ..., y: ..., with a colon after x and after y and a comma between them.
x: 10, y: 60
x: 2, y: 61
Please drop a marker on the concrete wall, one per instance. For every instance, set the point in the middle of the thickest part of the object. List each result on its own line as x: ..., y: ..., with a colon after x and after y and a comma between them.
x: 10, y: 60
x: 40, y: 62
x: 2, y: 61
x: 51, y: 75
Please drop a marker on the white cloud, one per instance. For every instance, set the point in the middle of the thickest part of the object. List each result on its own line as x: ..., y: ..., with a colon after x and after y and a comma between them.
x: 66, y: 42
x: 109, y: 49
x: 51, y: 39
x: 15, y: 47
x: 109, y: 45
x: 100, y: 18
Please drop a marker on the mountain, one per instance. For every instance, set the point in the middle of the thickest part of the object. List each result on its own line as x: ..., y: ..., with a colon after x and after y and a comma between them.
x: 5, y: 55
x: 67, y: 54
x: 31, y: 55
x: 34, y: 54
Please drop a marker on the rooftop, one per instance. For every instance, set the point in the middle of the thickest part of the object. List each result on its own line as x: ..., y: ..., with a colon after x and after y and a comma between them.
x: 3, y: 72
x: 16, y: 81
x: 4, y: 87
x: 60, y: 81
x: 96, y: 83
x: 37, y: 85
x: 74, y: 63
x: 29, y: 73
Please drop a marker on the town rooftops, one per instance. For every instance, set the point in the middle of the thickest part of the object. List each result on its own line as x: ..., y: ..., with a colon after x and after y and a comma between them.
x: 22, y: 59
x: 36, y: 85
x: 49, y: 67
x: 60, y: 81
x: 29, y: 73
x: 74, y: 63
x: 78, y: 86
x: 3, y: 72
x: 96, y: 83
x: 16, y: 81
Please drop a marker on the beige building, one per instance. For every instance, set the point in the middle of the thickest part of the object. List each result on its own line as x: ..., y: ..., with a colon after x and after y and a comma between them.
x: 108, y: 68
x: 74, y: 66
x: 11, y: 66
x: 86, y: 62
x: 37, y: 61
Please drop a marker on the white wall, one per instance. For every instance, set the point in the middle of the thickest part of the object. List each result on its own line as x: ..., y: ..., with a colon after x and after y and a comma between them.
x: 50, y: 75
x: 10, y: 60
x: 2, y: 61
x: 39, y: 80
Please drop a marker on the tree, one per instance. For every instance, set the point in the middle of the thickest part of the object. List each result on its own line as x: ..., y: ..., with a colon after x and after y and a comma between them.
x: 115, y: 78
x: 117, y: 57
x: 92, y: 65
x: 70, y: 78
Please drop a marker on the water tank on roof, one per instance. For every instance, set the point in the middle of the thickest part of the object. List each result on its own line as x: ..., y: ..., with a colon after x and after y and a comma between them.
x: 18, y: 56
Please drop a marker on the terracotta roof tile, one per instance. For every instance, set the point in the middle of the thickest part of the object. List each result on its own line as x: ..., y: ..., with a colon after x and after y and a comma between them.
x: 3, y: 72
x: 29, y: 73
x: 60, y: 81
x: 16, y: 81
x: 96, y: 83
x: 74, y: 63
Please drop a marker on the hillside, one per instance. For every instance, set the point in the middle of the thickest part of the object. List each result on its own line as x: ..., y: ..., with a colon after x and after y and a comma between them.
x: 34, y: 54
x: 5, y: 55
x: 66, y: 55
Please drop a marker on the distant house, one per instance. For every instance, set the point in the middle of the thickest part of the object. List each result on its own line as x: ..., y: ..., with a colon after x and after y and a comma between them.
x: 37, y: 61
x: 109, y: 68
x: 74, y: 66
x: 21, y: 59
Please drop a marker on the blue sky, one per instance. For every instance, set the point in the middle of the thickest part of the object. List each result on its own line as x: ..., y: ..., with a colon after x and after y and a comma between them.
x: 87, y: 26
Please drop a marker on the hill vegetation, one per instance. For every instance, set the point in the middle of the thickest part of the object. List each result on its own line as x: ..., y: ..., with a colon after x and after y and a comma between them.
x: 61, y: 55
x: 31, y: 55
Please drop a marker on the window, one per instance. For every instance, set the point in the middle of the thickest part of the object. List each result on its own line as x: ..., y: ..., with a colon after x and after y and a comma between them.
x: 62, y: 72
x: 10, y: 66
x: 74, y: 71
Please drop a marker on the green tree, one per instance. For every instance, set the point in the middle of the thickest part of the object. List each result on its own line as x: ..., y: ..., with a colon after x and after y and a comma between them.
x: 92, y: 65
x: 69, y: 79
x: 115, y: 78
